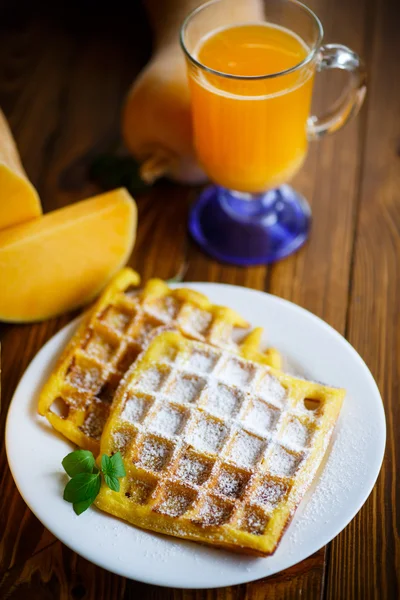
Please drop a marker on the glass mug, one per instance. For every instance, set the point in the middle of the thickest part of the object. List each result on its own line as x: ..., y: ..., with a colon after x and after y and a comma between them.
x: 251, y: 67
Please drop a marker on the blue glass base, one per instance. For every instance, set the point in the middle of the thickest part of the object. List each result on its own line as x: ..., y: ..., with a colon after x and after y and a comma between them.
x: 247, y: 229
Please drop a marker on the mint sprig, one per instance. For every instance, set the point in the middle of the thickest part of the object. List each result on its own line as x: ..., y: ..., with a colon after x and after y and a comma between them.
x: 80, y: 461
x: 84, y: 485
x: 112, y: 468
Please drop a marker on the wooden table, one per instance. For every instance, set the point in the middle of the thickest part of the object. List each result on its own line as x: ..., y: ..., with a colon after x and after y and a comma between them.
x: 63, y: 74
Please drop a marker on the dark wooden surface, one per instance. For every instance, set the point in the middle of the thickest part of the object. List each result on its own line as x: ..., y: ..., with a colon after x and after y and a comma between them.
x: 62, y: 80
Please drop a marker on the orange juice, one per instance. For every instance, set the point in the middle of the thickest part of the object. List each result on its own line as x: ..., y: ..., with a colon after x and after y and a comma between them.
x: 250, y: 134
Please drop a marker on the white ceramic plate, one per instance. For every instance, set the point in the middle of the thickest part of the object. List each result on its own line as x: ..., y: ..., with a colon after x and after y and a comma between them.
x: 313, y: 349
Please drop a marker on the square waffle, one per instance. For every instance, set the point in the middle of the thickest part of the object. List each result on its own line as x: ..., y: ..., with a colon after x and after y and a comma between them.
x: 217, y: 448
x: 77, y: 397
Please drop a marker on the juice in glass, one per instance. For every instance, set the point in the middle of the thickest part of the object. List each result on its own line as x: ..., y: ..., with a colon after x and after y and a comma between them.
x: 251, y: 66
x: 250, y: 134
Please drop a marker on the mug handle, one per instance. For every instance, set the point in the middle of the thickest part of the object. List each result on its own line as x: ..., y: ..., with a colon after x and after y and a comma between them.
x: 336, y: 56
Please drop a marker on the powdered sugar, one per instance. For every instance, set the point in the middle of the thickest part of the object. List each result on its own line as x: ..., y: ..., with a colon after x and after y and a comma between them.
x: 208, y: 434
x: 345, y: 466
x: 261, y: 417
x: 296, y: 434
x: 254, y: 521
x: 186, y: 388
x: 94, y: 422
x: 168, y: 420
x: 246, y: 449
x: 231, y: 483
x: 175, y: 503
x: 223, y: 400
x: 116, y: 319
x: 237, y: 372
x: 271, y: 390
x: 214, y: 512
x: 198, y: 321
x: 152, y: 379
x: 99, y: 348
x: 203, y: 361
x: 85, y: 379
x: 136, y: 408
x: 121, y: 439
x: 165, y: 309
x: 283, y: 463
x: 194, y: 469
x: 270, y: 492
x: 154, y: 454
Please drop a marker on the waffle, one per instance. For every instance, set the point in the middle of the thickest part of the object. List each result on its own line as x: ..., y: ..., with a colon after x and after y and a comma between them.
x: 217, y: 448
x: 77, y: 397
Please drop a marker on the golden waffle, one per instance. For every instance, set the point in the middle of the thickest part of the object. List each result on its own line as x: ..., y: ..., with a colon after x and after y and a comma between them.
x: 76, y: 399
x: 216, y: 448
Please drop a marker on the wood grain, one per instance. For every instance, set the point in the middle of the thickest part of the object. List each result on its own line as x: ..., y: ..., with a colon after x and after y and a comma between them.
x: 369, y: 548
x: 63, y: 75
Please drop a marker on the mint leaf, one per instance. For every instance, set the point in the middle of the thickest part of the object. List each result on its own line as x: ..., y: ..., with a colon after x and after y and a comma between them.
x: 82, y: 487
x: 112, y: 482
x: 106, y: 465
x: 113, y: 466
x: 118, y: 468
x: 80, y: 461
x: 80, y: 507
x: 85, y: 482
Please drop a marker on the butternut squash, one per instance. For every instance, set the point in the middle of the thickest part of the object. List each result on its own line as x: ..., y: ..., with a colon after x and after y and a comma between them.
x: 63, y: 259
x: 19, y: 201
x: 156, y: 120
x: 156, y: 124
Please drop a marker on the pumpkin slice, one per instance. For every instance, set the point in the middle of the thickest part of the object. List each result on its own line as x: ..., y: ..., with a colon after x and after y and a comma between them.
x: 19, y: 201
x: 62, y: 260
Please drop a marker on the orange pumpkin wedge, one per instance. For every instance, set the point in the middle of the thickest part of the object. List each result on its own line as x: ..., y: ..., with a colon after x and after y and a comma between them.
x: 63, y: 259
x: 19, y: 201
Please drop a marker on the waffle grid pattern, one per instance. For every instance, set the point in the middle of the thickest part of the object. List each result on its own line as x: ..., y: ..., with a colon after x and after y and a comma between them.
x: 78, y: 395
x: 217, y: 448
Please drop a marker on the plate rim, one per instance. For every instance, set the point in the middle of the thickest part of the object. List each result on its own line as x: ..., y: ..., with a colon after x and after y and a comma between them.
x: 324, y: 540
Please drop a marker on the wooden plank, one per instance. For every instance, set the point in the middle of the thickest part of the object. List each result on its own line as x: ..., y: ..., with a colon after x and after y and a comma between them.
x: 31, y: 83
x: 161, y: 242
x: 305, y: 578
x: 318, y: 276
x: 57, y: 572
x: 365, y: 557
